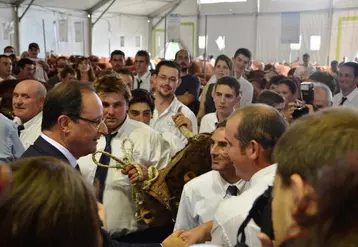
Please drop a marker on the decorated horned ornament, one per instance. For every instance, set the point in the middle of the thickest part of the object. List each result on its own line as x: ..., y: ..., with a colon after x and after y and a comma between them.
x: 139, y: 188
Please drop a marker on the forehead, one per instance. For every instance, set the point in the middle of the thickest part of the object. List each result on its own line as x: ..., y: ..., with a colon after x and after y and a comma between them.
x: 183, y: 53
x: 232, y: 125
x: 346, y: 70
x: 224, y: 89
x: 126, y: 77
x: 140, y: 106
x: 5, y: 59
x: 221, y: 63
x: 242, y: 57
x: 91, y: 104
x: 140, y: 58
x: 283, y: 87
x: 218, y: 135
x: 168, y: 71
x: 112, y: 97
x: 26, y: 87
x: 117, y: 56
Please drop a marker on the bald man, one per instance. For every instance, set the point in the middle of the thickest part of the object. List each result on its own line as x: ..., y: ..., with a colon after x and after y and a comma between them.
x: 27, y: 102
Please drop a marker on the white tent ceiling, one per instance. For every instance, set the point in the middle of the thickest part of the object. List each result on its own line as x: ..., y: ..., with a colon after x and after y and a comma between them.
x: 133, y: 7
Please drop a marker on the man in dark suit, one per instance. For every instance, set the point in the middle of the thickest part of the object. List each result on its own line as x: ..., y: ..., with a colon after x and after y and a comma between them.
x: 71, y: 125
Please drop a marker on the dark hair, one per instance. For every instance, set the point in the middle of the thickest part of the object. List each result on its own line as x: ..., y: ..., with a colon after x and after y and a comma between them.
x: 261, y: 123
x: 325, y: 78
x: 112, y: 84
x: 259, y: 77
x: 140, y: 95
x: 276, y: 79
x: 145, y: 54
x: 166, y: 63
x: 352, y: 65
x: 225, y: 59
x: 61, y: 58
x: 291, y: 72
x: 290, y: 84
x: 67, y: 71
x: 5, y: 56
x: 221, y: 124
x: 334, y: 62
x: 63, y: 213
x: 117, y: 52
x: 245, y: 52
x: 229, y: 81
x: 23, y: 61
x: 66, y: 99
x: 306, y: 55
x: 90, y: 73
x: 125, y: 71
x: 8, y: 47
x: 270, y: 98
x: 314, y: 141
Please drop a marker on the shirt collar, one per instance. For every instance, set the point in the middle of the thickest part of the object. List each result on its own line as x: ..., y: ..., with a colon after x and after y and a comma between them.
x: 352, y: 95
x: 121, y: 129
x: 260, y: 176
x: 62, y: 149
x: 33, y: 120
x: 144, y: 76
x: 224, y: 185
x: 170, y: 109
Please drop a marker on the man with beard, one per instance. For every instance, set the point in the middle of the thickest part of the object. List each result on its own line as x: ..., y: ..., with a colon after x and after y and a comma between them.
x: 167, y: 105
x: 189, y: 88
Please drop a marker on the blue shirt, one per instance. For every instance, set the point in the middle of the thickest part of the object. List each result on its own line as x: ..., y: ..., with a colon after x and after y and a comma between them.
x: 11, y: 147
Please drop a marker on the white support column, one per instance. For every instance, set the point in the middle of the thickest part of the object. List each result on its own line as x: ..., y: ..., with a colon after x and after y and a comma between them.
x: 197, y: 33
x: 90, y: 34
x: 16, y: 29
x: 150, y: 36
x: 330, y: 20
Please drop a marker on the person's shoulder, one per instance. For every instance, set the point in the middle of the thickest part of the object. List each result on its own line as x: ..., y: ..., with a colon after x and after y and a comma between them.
x: 6, y: 123
x: 209, y: 116
x: 228, y: 209
x: 204, y: 178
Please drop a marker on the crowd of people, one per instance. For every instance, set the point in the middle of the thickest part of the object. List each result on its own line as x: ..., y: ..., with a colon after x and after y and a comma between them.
x: 294, y: 132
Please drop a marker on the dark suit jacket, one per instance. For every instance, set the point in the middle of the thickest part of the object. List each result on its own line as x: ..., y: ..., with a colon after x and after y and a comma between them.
x: 42, y: 148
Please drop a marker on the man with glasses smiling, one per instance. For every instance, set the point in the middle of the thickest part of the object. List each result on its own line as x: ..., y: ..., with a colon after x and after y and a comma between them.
x: 167, y: 105
x: 71, y: 125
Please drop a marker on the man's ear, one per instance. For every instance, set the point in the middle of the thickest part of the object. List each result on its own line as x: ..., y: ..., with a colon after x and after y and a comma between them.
x: 253, y: 150
x: 64, y: 123
x: 179, y: 82
x: 298, y: 191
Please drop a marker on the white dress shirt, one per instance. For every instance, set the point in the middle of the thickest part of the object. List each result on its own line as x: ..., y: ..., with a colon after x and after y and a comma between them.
x: 247, y: 92
x: 164, y: 122
x: 213, y: 79
x: 149, y: 150
x: 200, y: 199
x: 233, y: 211
x: 145, y: 81
x: 62, y: 149
x: 352, y: 99
x: 9, y: 78
x: 31, y: 131
x: 207, y: 124
x: 300, y: 71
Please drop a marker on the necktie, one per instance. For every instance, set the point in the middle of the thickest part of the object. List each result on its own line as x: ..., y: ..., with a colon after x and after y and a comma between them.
x: 139, y: 82
x: 232, y: 190
x: 19, y: 129
x: 343, y: 100
x: 101, y: 172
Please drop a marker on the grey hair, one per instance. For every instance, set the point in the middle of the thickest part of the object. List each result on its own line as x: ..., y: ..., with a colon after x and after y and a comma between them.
x: 325, y: 88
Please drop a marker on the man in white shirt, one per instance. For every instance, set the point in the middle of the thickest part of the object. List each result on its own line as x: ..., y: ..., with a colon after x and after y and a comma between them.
x: 5, y: 68
x: 241, y: 61
x: 167, y: 105
x: 127, y: 139
x: 202, y: 195
x: 348, y: 80
x: 27, y: 102
x: 142, y: 79
x: 42, y: 67
x: 226, y: 95
x: 303, y: 72
x: 252, y: 133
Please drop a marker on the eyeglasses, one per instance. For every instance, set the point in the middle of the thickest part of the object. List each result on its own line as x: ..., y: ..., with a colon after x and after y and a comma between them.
x: 95, y: 123
x: 170, y: 79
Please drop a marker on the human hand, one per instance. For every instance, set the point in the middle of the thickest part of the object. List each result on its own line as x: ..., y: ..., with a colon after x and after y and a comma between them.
x: 265, y: 240
x: 310, y: 108
x: 180, y: 120
x: 133, y: 174
x: 197, y: 235
x: 102, y: 214
x: 174, y: 240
